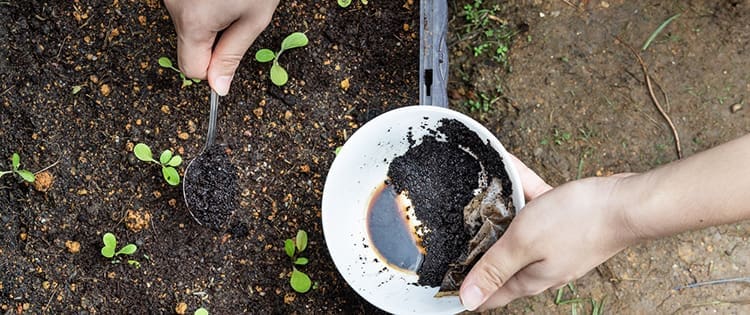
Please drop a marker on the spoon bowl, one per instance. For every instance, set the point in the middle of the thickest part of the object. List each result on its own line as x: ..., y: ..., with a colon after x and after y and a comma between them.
x: 210, y: 139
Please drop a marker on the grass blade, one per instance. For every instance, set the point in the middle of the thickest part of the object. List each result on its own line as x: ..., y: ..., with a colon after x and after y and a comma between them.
x: 658, y: 30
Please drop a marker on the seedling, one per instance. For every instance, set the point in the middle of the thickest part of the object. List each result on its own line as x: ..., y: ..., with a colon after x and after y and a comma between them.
x: 110, y: 245
x: 167, y: 161
x: 15, y: 161
x: 279, y: 75
x: 300, y: 281
x: 201, y: 311
x: 166, y: 63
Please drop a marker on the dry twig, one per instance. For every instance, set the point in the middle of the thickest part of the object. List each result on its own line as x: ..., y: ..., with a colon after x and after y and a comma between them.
x: 653, y: 96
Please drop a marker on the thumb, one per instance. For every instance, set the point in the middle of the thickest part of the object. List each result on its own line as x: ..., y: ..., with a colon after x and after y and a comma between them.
x: 229, y: 50
x: 533, y: 185
x: 492, y: 271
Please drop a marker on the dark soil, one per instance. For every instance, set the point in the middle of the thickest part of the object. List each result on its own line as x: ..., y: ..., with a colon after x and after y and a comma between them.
x: 282, y: 141
x: 211, y: 188
x: 440, y: 177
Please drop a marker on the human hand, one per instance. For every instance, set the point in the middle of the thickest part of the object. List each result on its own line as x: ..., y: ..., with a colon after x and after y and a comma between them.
x: 198, y: 23
x: 558, y: 237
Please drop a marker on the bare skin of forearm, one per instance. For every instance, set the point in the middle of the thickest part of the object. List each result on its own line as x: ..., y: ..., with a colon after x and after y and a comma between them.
x: 706, y: 189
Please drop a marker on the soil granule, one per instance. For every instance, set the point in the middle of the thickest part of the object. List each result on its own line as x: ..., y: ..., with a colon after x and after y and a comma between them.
x: 211, y: 188
x: 441, y: 178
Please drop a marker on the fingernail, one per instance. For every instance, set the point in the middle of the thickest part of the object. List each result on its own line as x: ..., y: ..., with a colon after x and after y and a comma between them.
x: 472, y: 297
x: 222, y: 85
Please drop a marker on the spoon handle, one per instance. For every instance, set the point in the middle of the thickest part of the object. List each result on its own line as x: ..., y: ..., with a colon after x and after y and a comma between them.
x: 212, y: 119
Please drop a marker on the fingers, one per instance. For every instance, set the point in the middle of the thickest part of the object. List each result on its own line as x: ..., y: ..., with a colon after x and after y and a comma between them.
x: 228, y: 52
x: 194, y: 40
x: 533, y: 185
x: 526, y: 282
x: 194, y: 53
x: 492, y: 271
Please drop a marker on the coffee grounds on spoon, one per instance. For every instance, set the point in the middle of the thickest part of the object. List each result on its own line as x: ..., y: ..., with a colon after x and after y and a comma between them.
x: 211, y: 188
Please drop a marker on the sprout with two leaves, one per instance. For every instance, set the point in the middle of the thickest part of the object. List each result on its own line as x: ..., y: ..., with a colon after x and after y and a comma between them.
x: 167, y: 161
x: 279, y: 75
x: 15, y: 163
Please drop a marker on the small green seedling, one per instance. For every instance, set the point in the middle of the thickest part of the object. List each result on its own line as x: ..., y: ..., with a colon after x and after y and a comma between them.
x: 15, y: 161
x: 110, y: 245
x: 346, y: 3
x: 300, y: 281
x: 166, y: 63
x: 201, y: 311
x: 167, y: 160
x: 278, y: 73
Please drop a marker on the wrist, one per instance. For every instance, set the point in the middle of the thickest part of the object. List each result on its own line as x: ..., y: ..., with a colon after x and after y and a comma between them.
x: 629, y: 199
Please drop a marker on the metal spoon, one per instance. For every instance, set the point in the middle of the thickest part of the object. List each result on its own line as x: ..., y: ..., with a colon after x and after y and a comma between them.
x: 210, y: 138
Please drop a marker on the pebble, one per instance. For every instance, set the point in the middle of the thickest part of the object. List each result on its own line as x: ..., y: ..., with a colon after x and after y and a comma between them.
x: 73, y: 246
x: 736, y: 108
x: 180, y: 308
x: 183, y: 135
x: 105, y: 89
x: 345, y: 84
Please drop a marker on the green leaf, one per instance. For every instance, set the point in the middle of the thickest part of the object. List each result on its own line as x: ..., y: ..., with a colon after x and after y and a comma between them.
x: 143, y: 152
x: 301, y: 261
x: 26, y: 175
x: 300, y: 281
x: 289, y: 248
x: 186, y: 82
x: 127, y: 250
x: 344, y: 3
x: 278, y: 75
x: 301, y: 240
x: 165, y: 62
x: 171, y: 175
x: 134, y: 263
x: 201, y: 311
x: 182, y: 76
x: 166, y: 155
x: 15, y: 161
x: 196, y: 80
x: 338, y: 149
x: 76, y: 89
x: 110, y: 243
x: 265, y: 55
x: 175, y: 161
x: 294, y: 40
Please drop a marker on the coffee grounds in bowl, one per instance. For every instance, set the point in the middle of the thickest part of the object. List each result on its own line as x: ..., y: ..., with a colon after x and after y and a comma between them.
x: 441, y: 178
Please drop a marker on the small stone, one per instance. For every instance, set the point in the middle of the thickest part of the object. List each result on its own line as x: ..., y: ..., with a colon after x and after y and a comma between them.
x: 43, y: 181
x: 345, y: 84
x: 287, y: 115
x: 137, y: 220
x: 142, y: 20
x: 157, y: 194
x: 172, y: 202
x: 183, y: 135
x: 23, y: 236
x: 73, y: 246
x: 258, y: 112
x: 105, y: 89
x: 605, y: 4
x: 165, y: 109
x: 304, y: 168
x: 82, y: 192
x: 289, y: 298
x: 686, y: 253
x: 736, y: 108
x: 180, y: 308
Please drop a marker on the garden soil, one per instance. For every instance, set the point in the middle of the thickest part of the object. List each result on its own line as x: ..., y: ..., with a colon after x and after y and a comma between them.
x: 211, y: 188
x: 80, y: 86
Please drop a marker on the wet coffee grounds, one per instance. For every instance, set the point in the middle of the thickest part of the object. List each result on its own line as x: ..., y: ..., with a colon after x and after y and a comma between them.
x: 441, y: 177
x: 211, y: 188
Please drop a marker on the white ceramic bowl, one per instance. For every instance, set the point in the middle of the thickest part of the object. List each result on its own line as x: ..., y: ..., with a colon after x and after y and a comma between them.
x: 362, y: 165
